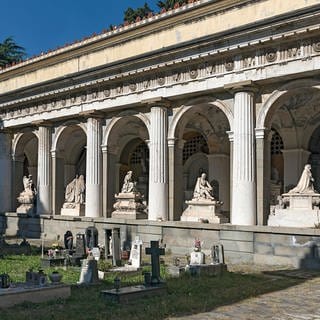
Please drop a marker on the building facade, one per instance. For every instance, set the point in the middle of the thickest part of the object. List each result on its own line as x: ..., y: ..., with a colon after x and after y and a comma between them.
x: 225, y: 87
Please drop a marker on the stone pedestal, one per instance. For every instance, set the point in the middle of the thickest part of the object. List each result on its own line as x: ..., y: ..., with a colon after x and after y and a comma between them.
x: 26, y: 200
x: 202, y: 211
x: 296, y: 210
x: 129, y: 206
x: 73, y: 209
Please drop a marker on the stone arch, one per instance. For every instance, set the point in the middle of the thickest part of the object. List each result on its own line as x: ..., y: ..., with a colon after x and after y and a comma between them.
x: 25, y: 157
x: 62, y: 127
x: 122, y: 136
x: 224, y: 107
x: 197, y: 119
x: 70, y: 158
x: 115, y: 120
x: 271, y: 102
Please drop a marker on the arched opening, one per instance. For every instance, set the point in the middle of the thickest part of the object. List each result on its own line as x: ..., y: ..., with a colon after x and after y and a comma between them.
x: 127, y: 151
x: 202, y: 131
x: 25, y: 155
x: 293, y: 118
x: 70, y: 160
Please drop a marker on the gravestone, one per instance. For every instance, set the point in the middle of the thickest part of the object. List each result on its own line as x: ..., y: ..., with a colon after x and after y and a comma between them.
x: 80, y: 251
x: 196, y: 257
x: 135, y: 253
x: 91, y: 237
x: 116, y: 252
x: 96, y: 253
x: 217, y: 254
x: 155, y: 253
x: 89, y: 271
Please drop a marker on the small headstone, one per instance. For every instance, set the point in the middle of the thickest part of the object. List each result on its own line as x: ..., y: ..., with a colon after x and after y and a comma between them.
x: 80, y: 245
x: 96, y: 253
x: 196, y: 257
x: 155, y: 253
x: 89, y: 271
x: 217, y: 254
x: 135, y: 253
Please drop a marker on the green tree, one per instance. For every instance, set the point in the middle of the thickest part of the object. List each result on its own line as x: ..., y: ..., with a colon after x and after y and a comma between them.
x: 130, y: 15
x: 169, y: 4
x: 10, y: 52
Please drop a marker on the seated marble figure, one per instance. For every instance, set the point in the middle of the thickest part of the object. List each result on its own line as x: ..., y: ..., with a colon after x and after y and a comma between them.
x: 128, y: 186
x: 202, y: 189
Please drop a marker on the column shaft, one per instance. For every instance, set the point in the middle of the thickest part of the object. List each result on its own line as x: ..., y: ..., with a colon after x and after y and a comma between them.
x: 5, y: 173
x: 44, y: 180
x: 244, y: 176
x: 158, y: 173
x: 93, y: 168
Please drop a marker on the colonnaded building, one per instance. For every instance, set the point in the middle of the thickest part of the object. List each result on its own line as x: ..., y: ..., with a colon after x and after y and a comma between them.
x: 230, y: 88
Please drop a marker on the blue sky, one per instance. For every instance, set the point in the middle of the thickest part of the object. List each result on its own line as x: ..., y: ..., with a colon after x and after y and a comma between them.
x: 40, y: 25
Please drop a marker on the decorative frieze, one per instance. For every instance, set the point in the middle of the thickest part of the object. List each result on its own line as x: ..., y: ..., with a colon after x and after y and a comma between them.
x: 208, y: 65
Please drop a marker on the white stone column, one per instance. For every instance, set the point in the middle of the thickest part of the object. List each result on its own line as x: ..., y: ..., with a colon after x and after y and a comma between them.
x: 158, y: 171
x: 5, y: 173
x: 44, y: 171
x: 176, y: 183
x: 244, y: 171
x: 93, y: 168
x: 263, y: 165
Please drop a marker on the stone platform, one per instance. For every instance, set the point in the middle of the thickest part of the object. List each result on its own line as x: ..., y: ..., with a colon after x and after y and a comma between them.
x: 203, y: 210
x: 73, y: 209
x: 36, y: 294
x: 296, y: 210
x: 207, y: 269
x: 129, y: 206
x: 130, y: 294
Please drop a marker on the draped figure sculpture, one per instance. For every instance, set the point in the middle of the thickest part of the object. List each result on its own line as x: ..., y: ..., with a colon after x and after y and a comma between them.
x: 202, y: 189
x: 305, y: 184
x: 128, y: 185
x: 75, y: 190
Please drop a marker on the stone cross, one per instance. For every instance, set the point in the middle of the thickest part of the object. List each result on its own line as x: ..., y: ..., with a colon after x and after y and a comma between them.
x: 155, y: 253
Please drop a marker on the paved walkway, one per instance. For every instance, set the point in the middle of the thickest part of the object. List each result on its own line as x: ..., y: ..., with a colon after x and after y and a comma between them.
x: 300, y: 302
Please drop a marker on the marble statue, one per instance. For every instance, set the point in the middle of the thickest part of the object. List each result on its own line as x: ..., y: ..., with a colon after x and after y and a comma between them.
x: 129, y: 202
x: 27, y: 197
x: 203, y: 207
x: 202, y: 189
x: 128, y: 185
x: 74, y: 198
x: 300, y: 206
x: 75, y: 190
x: 305, y: 184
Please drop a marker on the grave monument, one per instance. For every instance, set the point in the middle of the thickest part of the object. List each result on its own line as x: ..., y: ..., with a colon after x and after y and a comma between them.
x: 27, y: 197
x: 74, y: 204
x: 300, y: 206
x: 154, y: 287
x: 203, y: 207
x: 129, y: 202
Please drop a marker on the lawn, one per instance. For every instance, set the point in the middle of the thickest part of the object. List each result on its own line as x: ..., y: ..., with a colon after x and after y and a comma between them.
x: 186, y: 295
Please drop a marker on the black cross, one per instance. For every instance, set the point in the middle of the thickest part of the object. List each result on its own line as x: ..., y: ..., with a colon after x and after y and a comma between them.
x: 155, y: 253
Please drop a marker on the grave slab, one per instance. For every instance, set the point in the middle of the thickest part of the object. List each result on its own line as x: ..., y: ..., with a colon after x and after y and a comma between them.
x: 21, y: 293
x: 130, y: 294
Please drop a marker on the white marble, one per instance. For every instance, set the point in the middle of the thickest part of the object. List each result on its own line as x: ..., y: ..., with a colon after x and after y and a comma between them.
x: 196, y: 257
x: 44, y: 179
x: 244, y: 176
x: 93, y: 169
x: 135, y: 253
x: 158, y: 174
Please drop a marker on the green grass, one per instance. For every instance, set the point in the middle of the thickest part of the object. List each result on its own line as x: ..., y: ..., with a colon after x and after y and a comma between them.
x: 186, y: 295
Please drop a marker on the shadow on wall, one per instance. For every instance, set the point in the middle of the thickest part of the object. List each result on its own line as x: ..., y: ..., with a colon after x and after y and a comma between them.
x: 312, y: 259
x: 29, y: 226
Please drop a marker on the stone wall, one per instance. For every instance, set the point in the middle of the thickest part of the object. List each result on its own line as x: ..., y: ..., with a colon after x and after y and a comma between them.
x: 242, y: 244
